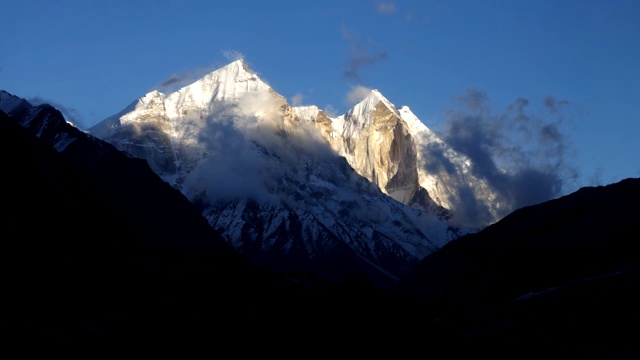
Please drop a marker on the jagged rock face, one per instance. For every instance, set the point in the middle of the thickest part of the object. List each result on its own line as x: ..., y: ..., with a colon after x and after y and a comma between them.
x: 402, y: 169
x: 395, y: 150
x: 323, y: 122
x: 378, y: 144
x: 385, y: 154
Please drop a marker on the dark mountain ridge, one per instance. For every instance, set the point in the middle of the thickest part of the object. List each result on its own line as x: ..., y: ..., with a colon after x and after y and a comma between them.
x: 578, y: 235
x: 558, y: 275
x: 133, y: 188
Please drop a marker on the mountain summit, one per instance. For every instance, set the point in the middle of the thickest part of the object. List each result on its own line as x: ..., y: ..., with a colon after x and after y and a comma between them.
x: 228, y: 83
x: 377, y: 143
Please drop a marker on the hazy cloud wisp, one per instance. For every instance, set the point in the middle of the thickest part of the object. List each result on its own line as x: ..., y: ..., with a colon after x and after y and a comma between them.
x: 384, y: 7
x: 358, y: 57
x: 522, y: 158
x: 178, y: 80
x: 233, y: 55
x: 242, y: 142
x: 296, y: 100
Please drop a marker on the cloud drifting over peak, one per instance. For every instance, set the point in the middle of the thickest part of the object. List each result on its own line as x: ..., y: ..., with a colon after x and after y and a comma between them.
x: 356, y: 94
x: 179, y: 80
x: 232, y: 55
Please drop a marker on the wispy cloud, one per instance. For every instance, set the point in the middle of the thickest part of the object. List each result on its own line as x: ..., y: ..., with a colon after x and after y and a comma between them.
x: 359, y: 56
x: 357, y: 93
x: 178, y: 80
x: 522, y: 158
x: 242, y: 147
x: 181, y: 79
x: 175, y: 80
x: 296, y: 100
x: 330, y: 111
x: 232, y: 55
x: 554, y: 104
x: 386, y: 7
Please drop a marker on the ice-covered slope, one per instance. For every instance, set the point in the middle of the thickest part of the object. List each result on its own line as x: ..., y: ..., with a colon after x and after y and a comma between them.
x: 272, y: 185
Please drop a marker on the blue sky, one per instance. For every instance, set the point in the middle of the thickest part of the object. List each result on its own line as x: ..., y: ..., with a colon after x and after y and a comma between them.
x: 92, y: 59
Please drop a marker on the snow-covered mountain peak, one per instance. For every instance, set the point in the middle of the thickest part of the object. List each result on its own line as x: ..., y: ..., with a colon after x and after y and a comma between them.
x: 362, y: 111
x: 229, y: 83
x: 237, y: 71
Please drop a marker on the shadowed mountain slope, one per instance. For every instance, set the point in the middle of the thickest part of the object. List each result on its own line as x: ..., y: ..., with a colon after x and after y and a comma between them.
x: 560, y: 275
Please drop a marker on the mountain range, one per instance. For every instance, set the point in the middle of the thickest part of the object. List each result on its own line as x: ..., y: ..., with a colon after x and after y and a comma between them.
x: 282, y: 182
x: 108, y: 250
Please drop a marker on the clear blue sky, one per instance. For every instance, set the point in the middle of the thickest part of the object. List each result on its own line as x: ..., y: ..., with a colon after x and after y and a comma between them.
x: 94, y: 58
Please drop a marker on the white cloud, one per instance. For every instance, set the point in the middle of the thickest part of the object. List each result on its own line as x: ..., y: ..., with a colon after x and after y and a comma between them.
x: 330, y: 111
x: 357, y: 93
x: 232, y: 55
x: 247, y: 153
